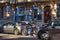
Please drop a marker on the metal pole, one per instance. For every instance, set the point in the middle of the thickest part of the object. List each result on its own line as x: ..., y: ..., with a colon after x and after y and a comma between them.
x: 15, y: 11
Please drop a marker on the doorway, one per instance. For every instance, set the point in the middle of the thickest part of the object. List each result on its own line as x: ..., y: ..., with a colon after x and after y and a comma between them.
x: 1, y: 12
x: 47, y: 13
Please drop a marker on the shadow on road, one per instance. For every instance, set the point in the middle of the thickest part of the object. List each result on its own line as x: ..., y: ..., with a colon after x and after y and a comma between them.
x: 22, y: 39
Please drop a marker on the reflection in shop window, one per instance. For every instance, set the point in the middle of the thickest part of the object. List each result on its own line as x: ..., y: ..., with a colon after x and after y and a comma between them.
x: 8, y: 11
x: 20, y: 13
x: 39, y: 14
x: 7, y: 15
x: 20, y: 10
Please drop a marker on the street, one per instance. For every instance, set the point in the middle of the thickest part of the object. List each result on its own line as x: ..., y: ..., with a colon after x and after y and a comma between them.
x: 20, y: 37
x: 16, y: 37
x: 56, y: 37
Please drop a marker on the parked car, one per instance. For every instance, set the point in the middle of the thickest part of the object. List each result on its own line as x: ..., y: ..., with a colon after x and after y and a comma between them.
x: 16, y: 28
x: 24, y: 27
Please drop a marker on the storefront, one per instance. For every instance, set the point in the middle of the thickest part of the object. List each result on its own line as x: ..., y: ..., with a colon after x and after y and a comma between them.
x: 37, y: 10
x: 42, y: 10
x: 29, y: 11
x: 5, y: 10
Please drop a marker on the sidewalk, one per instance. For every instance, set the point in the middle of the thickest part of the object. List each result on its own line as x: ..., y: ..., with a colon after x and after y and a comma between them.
x: 56, y: 37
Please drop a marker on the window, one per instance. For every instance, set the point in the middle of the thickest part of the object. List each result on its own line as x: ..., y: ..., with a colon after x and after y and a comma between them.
x: 20, y: 14
x: 1, y: 13
x: 39, y: 14
x: 58, y: 9
x: 20, y: 10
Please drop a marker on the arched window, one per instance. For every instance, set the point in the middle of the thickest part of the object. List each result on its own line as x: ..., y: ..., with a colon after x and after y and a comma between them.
x: 47, y: 13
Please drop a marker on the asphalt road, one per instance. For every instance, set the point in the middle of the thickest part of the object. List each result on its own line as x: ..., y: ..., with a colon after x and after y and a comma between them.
x: 20, y: 37
x: 16, y: 37
x: 56, y: 37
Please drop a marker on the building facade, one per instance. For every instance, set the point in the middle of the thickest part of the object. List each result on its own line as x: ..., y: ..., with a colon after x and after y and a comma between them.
x: 42, y: 10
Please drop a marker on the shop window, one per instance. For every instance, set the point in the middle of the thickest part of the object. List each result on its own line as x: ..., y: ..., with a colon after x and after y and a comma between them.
x: 20, y: 14
x: 20, y: 10
x: 39, y: 14
x: 58, y: 10
x: 1, y: 13
x: 35, y: 13
x: 20, y: 18
x: 8, y: 11
x: 39, y: 17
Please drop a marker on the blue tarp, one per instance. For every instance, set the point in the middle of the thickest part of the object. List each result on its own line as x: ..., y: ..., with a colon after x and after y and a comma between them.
x: 35, y: 7
x: 22, y: 8
x: 20, y: 15
x: 27, y: 12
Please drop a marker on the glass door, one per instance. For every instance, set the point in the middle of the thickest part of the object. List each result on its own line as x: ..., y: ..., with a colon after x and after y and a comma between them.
x: 47, y: 14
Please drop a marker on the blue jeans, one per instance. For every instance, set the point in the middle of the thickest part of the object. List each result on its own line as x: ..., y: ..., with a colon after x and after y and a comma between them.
x: 32, y: 30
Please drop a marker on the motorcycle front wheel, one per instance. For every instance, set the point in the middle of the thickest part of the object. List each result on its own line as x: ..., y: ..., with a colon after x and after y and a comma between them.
x: 43, y: 36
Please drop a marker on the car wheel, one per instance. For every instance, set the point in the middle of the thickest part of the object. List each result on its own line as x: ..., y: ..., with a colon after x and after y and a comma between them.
x: 24, y: 32
x: 45, y: 36
x: 16, y: 32
x: 4, y: 29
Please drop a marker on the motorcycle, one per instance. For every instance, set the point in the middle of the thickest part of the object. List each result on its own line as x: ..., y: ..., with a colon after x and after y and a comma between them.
x: 33, y: 30
x: 43, y: 33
